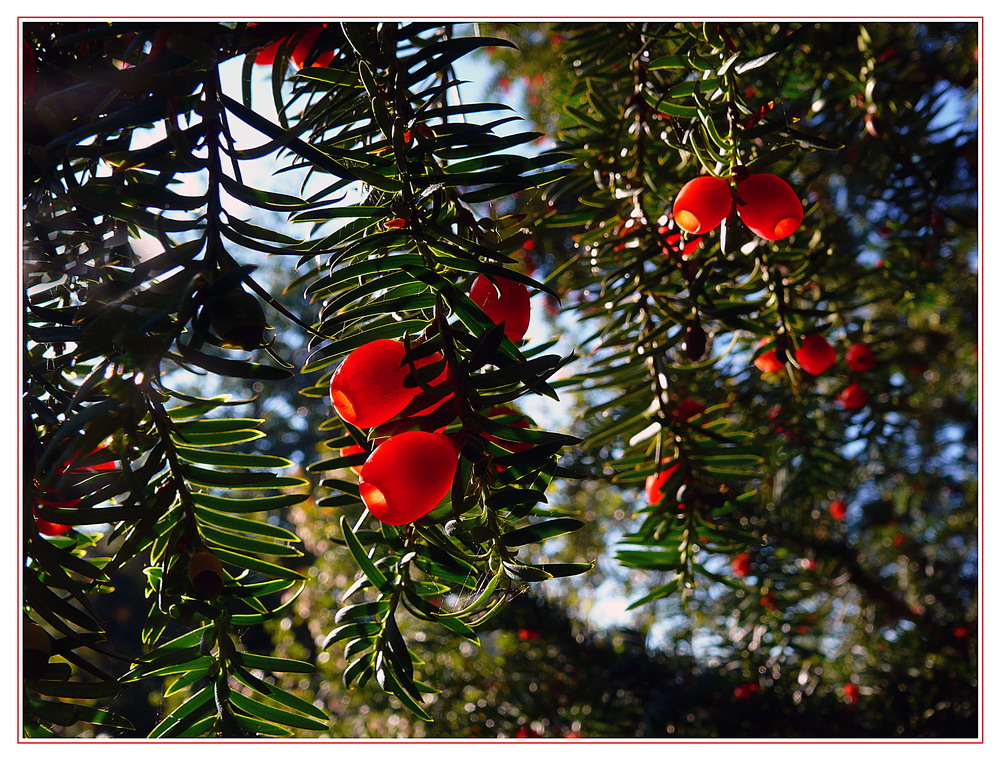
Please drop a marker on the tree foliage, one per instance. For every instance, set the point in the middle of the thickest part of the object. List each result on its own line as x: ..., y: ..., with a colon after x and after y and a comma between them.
x: 168, y: 283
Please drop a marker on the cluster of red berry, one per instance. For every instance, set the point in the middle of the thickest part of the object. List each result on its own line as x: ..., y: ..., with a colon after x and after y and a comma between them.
x: 408, y: 474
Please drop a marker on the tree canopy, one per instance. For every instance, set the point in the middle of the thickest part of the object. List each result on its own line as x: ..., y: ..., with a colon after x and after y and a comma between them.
x: 349, y: 402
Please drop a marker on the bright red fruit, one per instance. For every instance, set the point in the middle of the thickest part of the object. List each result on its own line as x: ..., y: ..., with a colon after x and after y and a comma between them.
x: 408, y: 475
x: 70, y: 473
x: 838, y: 509
x: 702, y: 204
x: 768, y: 362
x: 815, y: 355
x: 655, y: 483
x: 687, y: 408
x: 772, y: 210
x: 851, y: 692
x: 745, y: 691
x: 859, y: 358
x: 742, y: 564
x: 505, y: 301
x: 353, y: 449
x: 853, y: 397
x: 369, y: 388
x: 301, y: 51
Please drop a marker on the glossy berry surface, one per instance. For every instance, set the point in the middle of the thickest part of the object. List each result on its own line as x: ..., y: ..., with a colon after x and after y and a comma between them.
x: 815, y: 355
x: 408, y: 475
x: 859, y: 358
x: 771, y: 210
x: 852, y: 398
x: 838, y: 509
x: 655, y: 483
x: 373, y: 384
x: 505, y: 301
x: 301, y: 52
x: 702, y: 204
x: 768, y: 362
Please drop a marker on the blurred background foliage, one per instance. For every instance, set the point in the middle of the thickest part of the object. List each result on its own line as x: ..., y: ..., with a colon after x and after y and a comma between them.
x: 755, y: 615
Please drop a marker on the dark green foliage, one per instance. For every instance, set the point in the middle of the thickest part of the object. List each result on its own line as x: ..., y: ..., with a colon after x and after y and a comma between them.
x: 184, y: 313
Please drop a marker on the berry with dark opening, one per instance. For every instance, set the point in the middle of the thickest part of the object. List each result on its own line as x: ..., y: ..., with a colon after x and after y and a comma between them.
x: 37, y: 651
x: 408, y: 475
x: 815, y: 355
x: 238, y: 319
x: 205, y: 574
x: 771, y: 209
x: 373, y: 384
x: 504, y: 301
x: 859, y: 358
x: 702, y: 204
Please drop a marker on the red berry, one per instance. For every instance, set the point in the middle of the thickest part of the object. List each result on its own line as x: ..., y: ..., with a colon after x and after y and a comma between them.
x: 768, y: 362
x: 687, y: 408
x: 69, y: 474
x: 853, y: 397
x: 702, y: 204
x: 742, y: 564
x: 408, y: 475
x: 303, y: 48
x: 815, y: 355
x: 655, y: 483
x: 859, y: 358
x: 772, y: 210
x: 505, y: 301
x: 353, y: 449
x: 851, y: 692
x: 838, y: 509
x: 266, y: 56
x: 769, y: 601
x: 368, y: 388
x: 745, y: 691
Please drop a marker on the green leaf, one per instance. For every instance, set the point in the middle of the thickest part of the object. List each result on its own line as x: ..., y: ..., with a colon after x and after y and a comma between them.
x: 540, y: 531
x: 277, y: 715
x: 373, y: 574
x: 276, y: 665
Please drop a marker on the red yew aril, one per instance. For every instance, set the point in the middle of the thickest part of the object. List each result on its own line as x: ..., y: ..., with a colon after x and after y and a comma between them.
x: 859, y: 358
x: 815, y: 355
x: 768, y: 362
x: 838, y: 509
x: 771, y: 209
x: 69, y: 474
x: 205, y: 575
x: 742, y: 564
x: 301, y: 51
x: 745, y: 691
x: 504, y: 301
x: 702, y: 204
x: 852, y: 398
x: 353, y: 449
x: 851, y: 692
x: 408, y: 475
x: 371, y: 385
x: 655, y: 483
x: 687, y: 408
